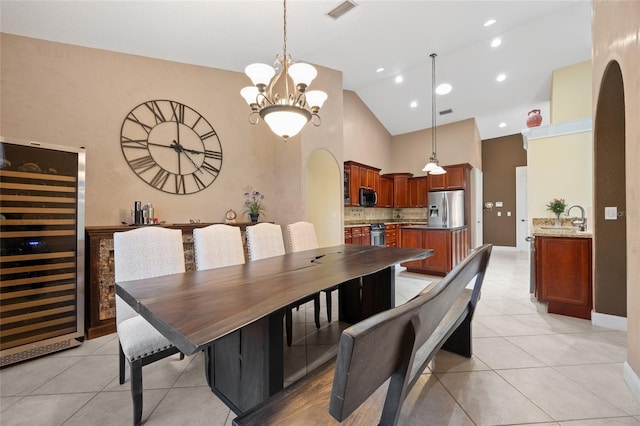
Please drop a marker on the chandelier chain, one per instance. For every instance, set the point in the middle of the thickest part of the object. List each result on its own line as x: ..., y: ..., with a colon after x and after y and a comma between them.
x: 284, y: 39
x: 433, y: 103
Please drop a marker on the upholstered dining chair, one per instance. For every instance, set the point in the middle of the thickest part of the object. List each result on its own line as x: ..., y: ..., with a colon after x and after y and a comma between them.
x: 302, y: 236
x: 138, y: 254
x: 217, y: 246
x: 265, y: 240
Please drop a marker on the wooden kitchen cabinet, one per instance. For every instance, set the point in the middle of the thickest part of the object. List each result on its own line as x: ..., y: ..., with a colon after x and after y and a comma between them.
x: 457, y: 177
x: 563, y: 275
x: 449, y: 247
x: 385, y: 195
x: 418, y: 189
x: 400, y: 188
x: 391, y: 235
x: 359, y: 235
x: 358, y: 176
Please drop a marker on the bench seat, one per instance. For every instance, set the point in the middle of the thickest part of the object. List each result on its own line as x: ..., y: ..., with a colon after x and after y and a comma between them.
x: 381, y: 358
x: 306, y: 402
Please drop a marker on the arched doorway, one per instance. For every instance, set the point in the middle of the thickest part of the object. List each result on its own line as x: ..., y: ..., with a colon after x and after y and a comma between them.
x: 324, y: 197
x: 610, y: 238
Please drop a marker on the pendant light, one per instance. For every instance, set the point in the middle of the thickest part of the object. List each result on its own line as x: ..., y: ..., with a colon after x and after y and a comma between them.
x: 288, y: 113
x: 432, y: 167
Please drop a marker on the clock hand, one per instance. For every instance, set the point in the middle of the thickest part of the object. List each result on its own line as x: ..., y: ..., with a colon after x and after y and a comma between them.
x: 183, y: 150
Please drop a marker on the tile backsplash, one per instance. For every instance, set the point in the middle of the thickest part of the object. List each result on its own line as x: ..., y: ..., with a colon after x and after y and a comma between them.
x: 373, y: 214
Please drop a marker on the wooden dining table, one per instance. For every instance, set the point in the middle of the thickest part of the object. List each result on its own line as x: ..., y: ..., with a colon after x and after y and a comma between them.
x: 235, y: 313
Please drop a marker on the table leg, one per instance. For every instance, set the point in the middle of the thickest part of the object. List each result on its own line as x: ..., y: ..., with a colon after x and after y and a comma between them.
x: 363, y: 297
x: 245, y: 367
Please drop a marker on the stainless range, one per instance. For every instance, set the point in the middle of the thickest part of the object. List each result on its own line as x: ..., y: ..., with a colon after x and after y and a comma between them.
x: 377, y: 234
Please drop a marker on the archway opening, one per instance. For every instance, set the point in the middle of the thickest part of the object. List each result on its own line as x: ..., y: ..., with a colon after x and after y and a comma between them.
x: 324, y: 198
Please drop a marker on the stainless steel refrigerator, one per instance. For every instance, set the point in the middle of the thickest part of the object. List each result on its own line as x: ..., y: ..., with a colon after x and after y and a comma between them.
x: 446, y: 209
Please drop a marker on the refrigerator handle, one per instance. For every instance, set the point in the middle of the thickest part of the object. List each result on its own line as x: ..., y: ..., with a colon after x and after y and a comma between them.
x: 445, y: 213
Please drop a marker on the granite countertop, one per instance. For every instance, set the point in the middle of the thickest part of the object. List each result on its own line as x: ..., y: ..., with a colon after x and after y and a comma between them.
x: 435, y: 228
x: 546, y: 228
x: 563, y: 231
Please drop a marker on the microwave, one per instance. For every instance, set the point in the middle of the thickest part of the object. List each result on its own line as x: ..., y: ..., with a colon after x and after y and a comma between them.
x: 368, y: 197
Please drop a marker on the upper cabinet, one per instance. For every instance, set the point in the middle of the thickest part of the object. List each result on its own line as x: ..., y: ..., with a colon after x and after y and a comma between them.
x: 418, y: 191
x: 457, y: 177
x: 358, y: 176
x: 385, y: 195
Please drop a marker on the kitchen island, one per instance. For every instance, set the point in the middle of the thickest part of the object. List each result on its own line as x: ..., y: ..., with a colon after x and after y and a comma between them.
x: 450, y: 246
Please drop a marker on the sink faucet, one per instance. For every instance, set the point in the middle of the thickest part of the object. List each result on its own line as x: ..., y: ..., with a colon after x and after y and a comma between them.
x: 582, y: 222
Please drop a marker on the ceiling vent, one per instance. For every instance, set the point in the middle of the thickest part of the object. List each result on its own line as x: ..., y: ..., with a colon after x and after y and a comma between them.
x: 446, y: 111
x: 342, y: 8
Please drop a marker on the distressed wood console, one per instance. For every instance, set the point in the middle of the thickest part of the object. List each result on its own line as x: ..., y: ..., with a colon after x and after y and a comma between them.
x: 100, y: 302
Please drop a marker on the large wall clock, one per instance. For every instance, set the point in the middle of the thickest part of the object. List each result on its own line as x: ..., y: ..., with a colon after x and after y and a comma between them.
x: 171, y: 146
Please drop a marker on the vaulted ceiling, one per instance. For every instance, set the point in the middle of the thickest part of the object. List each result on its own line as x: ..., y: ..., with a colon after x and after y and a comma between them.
x: 537, y: 38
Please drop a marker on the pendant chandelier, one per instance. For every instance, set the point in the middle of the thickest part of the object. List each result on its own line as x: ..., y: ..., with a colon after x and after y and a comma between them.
x: 285, y: 114
x: 432, y: 167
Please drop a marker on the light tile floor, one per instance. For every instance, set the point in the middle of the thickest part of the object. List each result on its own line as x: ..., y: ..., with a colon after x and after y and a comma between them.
x: 529, y: 367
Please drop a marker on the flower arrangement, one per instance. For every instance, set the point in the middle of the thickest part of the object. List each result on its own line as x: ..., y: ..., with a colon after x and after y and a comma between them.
x: 557, y: 205
x: 253, y: 203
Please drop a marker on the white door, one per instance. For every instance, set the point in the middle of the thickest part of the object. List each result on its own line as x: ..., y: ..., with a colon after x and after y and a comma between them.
x: 522, y: 209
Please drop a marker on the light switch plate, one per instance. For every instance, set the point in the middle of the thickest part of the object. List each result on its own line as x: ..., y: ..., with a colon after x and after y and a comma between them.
x: 610, y: 213
x: 498, y: 203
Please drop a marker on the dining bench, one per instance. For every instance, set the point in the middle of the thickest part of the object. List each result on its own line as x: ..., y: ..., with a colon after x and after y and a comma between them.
x: 380, y: 359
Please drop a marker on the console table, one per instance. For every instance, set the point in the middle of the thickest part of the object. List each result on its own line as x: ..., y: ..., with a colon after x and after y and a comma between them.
x: 100, y: 311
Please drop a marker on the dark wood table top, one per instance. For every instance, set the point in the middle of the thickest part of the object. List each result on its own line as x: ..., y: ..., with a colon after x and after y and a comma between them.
x: 195, y: 308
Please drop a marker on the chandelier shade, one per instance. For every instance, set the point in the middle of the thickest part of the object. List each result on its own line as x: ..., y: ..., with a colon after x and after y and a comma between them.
x: 285, y: 120
x: 286, y: 113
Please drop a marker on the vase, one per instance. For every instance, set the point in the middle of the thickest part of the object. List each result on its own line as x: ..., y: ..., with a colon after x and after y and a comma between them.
x: 534, y: 118
x: 558, y: 221
x: 254, y: 217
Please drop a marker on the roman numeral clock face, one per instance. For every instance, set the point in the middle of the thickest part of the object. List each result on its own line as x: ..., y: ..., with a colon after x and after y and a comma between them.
x: 171, y: 147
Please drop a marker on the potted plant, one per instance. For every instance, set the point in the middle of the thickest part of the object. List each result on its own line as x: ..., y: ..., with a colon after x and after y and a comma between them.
x: 557, y: 206
x: 253, y: 204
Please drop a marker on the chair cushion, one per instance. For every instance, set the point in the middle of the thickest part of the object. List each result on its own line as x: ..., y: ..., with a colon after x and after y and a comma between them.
x: 139, y: 338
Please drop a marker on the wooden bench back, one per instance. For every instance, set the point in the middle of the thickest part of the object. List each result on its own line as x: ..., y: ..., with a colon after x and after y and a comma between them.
x: 384, y: 345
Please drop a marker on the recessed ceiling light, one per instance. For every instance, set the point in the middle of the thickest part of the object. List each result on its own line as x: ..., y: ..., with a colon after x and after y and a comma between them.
x: 413, y: 104
x: 501, y: 77
x: 502, y: 125
x: 399, y: 79
x: 489, y: 22
x: 443, y: 89
x: 496, y: 42
x: 380, y: 69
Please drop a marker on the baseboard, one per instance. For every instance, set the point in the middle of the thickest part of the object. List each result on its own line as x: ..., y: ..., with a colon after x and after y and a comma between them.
x: 505, y: 248
x: 609, y: 321
x: 632, y: 380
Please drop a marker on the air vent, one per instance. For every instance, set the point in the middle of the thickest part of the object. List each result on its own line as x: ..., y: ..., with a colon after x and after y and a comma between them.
x: 342, y: 8
x: 446, y: 111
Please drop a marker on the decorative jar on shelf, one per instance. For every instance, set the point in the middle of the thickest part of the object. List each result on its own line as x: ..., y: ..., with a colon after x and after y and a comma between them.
x: 534, y: 118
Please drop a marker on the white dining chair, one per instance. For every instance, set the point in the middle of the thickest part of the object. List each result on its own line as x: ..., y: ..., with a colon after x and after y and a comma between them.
x: 138, y: 254
x: 265, y: 240
x: 217, y: 246
x: 302, y: 236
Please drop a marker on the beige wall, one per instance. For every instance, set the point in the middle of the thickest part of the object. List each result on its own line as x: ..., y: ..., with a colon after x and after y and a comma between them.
x: 571, y: 92
x: 366, y: 139
x: 75, y: 96
x: 615, y: 38
x: 456, y: 143
x: 560, y: 167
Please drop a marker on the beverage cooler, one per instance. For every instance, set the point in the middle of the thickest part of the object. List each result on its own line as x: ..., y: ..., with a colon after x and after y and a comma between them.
x: 42, y: 249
